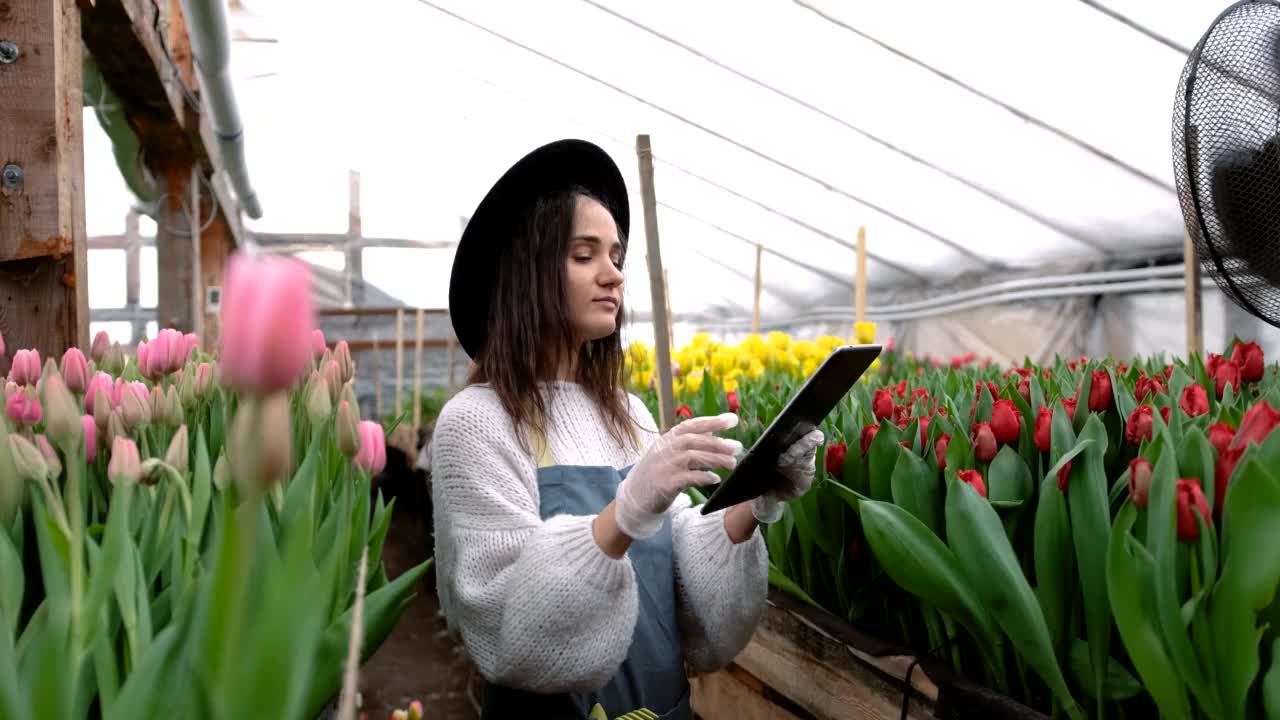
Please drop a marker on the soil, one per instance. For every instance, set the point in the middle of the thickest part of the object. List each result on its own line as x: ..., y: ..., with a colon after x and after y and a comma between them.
x: 417, y: 661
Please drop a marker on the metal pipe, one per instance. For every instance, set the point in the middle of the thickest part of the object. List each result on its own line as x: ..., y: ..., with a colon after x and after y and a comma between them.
x: 211, y: 46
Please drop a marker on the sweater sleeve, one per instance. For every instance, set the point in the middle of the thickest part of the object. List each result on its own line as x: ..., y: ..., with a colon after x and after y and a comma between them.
x: 721, y: 586
x: 538, y: 604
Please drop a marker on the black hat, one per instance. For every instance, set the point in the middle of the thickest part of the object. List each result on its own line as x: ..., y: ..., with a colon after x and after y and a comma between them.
x: 551, y: 168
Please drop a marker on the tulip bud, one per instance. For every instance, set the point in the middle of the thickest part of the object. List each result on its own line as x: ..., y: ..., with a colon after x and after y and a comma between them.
x: 221, y: 472
x: 50, y: 456
x: 101, y: 344
x: 114, y: 361
x: 23, y: 407
x: 178, y: 453
x: 346, y: 429
x: 940, y: 450
x: 415, y: 707
x: 1139, y: 481
x: 187, y: 390
x: 124, y: 463
x: 75, y: 370
x: 1250, y: 359
x: 260, y: 444
x: 101, y: 408
x: 318, y: 346
x: 25, y: 367
x: 866, y: 437
x: 372, y: 456
x: 157, y: 404
x: 190, y: 343
x: 152, y: 471
x: 984, y: 442
x: 99, y: 381
x: 973, y: 478
x: 135, y: 408
x: 1190, y: 499
x: 90, y: 428
x: 319, y: 406
x: 175, y: 415
x: 28, y: 461
x: 1139, y: 425
x: 62, y: 416
x: 342, y: 353
x: 349, y: 394
x: 333, y: 378
x: 1228, y: 373
x: 10, y: 387
x: 267, y: 316
x: 1194, y: 401
x: 882, y: 404
x: 277, y: 444
x: 115, y: 428
x: 1006, y: 422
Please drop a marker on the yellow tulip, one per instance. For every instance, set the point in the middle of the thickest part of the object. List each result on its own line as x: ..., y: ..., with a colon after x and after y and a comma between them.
x: 693, y: 381
x: 864, y: 332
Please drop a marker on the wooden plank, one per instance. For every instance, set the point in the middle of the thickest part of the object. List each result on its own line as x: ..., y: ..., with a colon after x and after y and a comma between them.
x: 657, y: 286
x: 43, y: 250
x: 175, y: 251
x: 736, y: 694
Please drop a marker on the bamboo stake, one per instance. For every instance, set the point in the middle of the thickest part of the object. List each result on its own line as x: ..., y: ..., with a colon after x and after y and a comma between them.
x: 1191, y: 279
x: 657, y: 286
x: 860, y: 289
x: 755, y: 305
x: 666, y: 294
x: 417, y: 375
x: 399, y: 359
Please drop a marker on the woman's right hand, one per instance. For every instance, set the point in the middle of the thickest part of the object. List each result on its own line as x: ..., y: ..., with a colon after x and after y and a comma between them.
x: 670, y: 466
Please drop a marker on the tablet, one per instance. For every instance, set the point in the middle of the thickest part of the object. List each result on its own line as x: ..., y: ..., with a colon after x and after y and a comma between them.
x: 757, y: 473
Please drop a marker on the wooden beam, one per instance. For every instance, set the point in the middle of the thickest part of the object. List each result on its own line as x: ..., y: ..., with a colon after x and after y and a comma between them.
x: 43, y: 250
x: 657, y: 286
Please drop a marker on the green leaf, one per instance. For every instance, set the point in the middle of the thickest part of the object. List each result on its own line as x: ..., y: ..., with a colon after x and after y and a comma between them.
x: 975, y: 533
x: 1248, y: 581
x: 1162, y: 542
x: 917, y: 490
x: 1082, y: 407
x: 1054, y: 563
x: 1196, y: 459
x: 1127, y: 563
x: 884, y: 455
x: 12, y: 579
x: 919, y: 562
x: 1009, y: 482
x: 782, y: 582
x: 201, y: 488
x: 1271, y: 684
x: 959, y: 451
x: 1087, y: 499
x: 1118, y: 683
x: 12, y: 695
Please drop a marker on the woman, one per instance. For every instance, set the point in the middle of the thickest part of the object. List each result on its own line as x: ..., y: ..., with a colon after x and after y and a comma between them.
x: 569, y: 558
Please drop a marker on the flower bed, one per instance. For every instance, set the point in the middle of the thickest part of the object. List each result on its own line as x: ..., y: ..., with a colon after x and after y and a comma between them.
x: 1084, y: 537
x: 184, y: 537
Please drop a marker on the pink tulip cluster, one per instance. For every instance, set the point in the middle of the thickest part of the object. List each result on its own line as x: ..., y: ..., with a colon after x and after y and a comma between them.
x: 166, y: 354
x: 267, y: 319
x: 130, y: 398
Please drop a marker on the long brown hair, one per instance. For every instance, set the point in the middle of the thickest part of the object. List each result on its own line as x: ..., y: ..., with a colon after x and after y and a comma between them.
x: 529, y: 330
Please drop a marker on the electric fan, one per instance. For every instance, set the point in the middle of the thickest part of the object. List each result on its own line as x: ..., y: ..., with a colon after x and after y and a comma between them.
x: 1226, y: 154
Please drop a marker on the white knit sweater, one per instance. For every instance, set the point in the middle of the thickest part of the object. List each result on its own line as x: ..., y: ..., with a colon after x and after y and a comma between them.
x: 538, y: 605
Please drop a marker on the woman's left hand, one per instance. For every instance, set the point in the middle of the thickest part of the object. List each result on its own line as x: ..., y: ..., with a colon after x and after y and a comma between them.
x: 798, y: 466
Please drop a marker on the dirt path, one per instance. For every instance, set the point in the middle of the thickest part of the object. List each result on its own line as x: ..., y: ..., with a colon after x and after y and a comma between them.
x: 416, y: 662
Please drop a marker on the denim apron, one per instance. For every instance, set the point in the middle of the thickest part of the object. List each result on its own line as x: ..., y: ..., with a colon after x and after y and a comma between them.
x: 653, y: 675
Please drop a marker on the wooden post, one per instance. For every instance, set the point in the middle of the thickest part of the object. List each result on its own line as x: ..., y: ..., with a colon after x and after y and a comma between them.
x: 417, y: 375
x: 860, y: 288
x: 176, y: 282
x: 44, y: 302
x: 755, y: 305
x: 1191, y: 276
x: 657, y: 285
x: 133, y: 273
x: 197, y: 278
x: 399, y: 360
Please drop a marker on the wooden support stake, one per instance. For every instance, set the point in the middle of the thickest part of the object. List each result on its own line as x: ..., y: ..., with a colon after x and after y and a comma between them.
x: 417, y: 375
x: 44, y: 302
x: 755, y: 305
x: 399, y: 359
x: 666, y: 294
x: 860, y: 296
x: 657, y: 285
x: 1191, y: 277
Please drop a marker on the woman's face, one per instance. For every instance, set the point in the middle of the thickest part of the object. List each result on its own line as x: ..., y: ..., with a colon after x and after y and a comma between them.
x: 594, y: 276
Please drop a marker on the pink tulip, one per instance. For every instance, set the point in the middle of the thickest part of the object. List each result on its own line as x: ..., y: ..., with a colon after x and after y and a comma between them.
x: 90, y: 437
x: 143, y: 354
x: 135, y: 405
x: 23, y: 408
x: 117, y: 390
x: 192, y: 341
x: 317, y: 343
x: 267, y: 317
x: 25, y: 369
x: 372, y: 456
x: 124, y: 464
x: 101, y: 344
x: 75, y: 370
x: 204, y: 379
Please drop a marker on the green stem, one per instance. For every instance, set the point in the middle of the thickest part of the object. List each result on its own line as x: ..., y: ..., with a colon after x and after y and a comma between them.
x: 75, y: 511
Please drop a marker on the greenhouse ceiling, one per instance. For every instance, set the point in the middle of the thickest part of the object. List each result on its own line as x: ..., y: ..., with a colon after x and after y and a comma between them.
x: 965, y: 137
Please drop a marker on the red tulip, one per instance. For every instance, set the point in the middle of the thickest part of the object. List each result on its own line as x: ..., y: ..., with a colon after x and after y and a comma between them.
x: 1168, y: 371
x: 1122, y: 369
x: 1256, y: 425
x: 1164, y: 414
x: 882, y: 404
x: 1228, y: 373
x: 901, y: 390
x: 1139, y: 481
x: 268, y: 313
x: 1222, y: 472
x: 973, y: 479
x: 1191, y: 499
x: 991, y: 387
x: 1006, y: 422
x: 834, y: 462
x: 1100, y: 391
x: 1024, y: 389
x: 940, y: 450
x: 731, y: 397
x: 984, y: 442
x: 1220, y: 436
x: 1064, y: 476
x: 918, y: 393
x: 901, y: 417
x: 868, y: 434
x: 1044, y: 428
x: 1139, y: 425
x: 1249, y: 357
x: 924, y: 429
x: 1146, y: 388
x: 1211, y: 365
x: 684, y: 412
x: 1194, y: 401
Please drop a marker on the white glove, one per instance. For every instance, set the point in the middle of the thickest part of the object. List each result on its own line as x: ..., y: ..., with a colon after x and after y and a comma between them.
x: 798, y: 465
x: 668, y: 468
